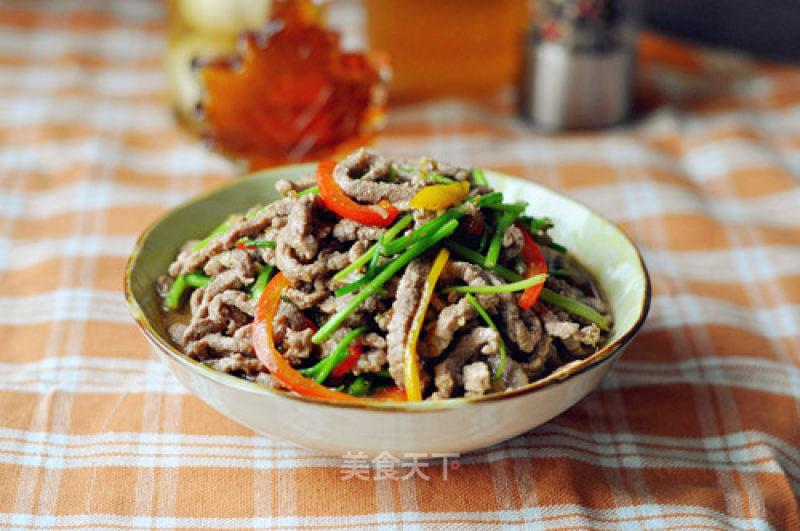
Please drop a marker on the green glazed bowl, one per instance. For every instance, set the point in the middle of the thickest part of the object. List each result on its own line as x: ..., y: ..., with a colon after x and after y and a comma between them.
x: 445, y: 426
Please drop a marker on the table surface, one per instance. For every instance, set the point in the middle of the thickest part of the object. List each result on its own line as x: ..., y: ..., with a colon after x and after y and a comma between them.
x: 697, y: 427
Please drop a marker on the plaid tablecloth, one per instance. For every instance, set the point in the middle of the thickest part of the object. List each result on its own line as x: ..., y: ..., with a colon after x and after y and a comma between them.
x: 697, y: 427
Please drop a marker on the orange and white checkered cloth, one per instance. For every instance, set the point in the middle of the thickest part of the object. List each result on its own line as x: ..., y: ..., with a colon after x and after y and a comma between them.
x: 697, y: 427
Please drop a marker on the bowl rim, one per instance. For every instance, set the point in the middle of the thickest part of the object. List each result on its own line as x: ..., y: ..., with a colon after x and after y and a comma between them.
x: 557, y: 377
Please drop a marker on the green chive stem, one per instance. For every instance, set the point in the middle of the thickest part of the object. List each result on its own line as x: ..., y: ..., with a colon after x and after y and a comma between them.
x: 173, y: 298
x: 323, y: 368
x: 383, y: 373
x: 219, y: 229
x: 479, y: 177
x: 362, y: 260
x: 197, y: 280
x: 574, y: 307
x: 506, y: 219
x: 372, y: 270
x: 502, y: 288
x: 478, y: 259
x: 403, y: 242
x: 475, y: 304
x: 359, y: 387
x: 441, y: 179
x: 339, y: 354
x: 392, y: 267
x: 490, y: 199
x: 456, y: 212
x: 261, y: 282
x: 556, y: 247
x: 311, y: 190
x: 513, y: 207
x: 247, y: 242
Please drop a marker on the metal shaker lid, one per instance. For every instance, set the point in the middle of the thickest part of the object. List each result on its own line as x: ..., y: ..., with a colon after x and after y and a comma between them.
x: 578, y: 63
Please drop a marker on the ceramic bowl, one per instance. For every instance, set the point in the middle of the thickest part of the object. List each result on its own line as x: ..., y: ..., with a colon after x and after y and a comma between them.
x: 448, y: 426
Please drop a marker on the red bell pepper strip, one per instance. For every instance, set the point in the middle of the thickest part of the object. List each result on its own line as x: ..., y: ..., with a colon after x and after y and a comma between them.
x: 265, y: 349
x: 334, y: 198
x: 392, y: 394
x: 536, y: 265
x: 348, y: 363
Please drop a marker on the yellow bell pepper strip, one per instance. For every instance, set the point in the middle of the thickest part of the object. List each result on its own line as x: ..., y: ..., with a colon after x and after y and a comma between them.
x: 380, y: 215
x: 377, y: 283
x: 440, y: 196
x: 265, y: 349
x: 410, y: 358
x: 536, y: 265
x: 403, y: 242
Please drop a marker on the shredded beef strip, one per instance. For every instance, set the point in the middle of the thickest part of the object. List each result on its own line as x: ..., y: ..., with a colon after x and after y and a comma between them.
x: 307, y: 295
x: 513, y: 241
x: 459, y: 353
x: 540, y: 360
x: 522, y: 326
x: 285, y: 187
x: 513, y: 375
x: 236, y: 363
x: 216, y: 345
x: 448, y: 373
x: 358, y: 176
x: 202, y: 323
x: 579, y: 340
x: 242, y: 228
x: 290, y: 331
x: 454, y: 317
x: 477, y: 379
x: 373, y: 357
x: 409, y: 292
x: 347, y: 230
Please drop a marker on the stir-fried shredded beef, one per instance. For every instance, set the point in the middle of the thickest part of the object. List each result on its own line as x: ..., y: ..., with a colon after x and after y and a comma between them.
x: 363, y: 176
x: 460, y: 353
x: 403, y: 309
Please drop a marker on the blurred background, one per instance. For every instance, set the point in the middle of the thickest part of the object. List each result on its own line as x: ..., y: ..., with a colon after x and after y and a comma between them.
x: 274, y: 81
x: 770, y: 28
x: 677, y: 120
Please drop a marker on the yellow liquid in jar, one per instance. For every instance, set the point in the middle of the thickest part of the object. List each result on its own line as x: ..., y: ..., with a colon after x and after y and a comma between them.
x: 448, y: 47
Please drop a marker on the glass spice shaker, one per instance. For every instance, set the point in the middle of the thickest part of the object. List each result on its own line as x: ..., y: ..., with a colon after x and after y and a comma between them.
x: 578, y: 65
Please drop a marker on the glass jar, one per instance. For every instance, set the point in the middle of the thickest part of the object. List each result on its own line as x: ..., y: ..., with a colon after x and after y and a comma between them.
x: 267, y: 83
x: 448, y: 47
